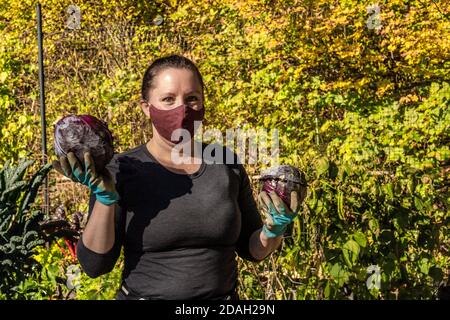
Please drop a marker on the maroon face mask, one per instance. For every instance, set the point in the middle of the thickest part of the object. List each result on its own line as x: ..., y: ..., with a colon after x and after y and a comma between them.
x: 181, y: 117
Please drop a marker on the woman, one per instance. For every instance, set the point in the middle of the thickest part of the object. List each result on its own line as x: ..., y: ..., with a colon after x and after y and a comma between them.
x: 180, y: 223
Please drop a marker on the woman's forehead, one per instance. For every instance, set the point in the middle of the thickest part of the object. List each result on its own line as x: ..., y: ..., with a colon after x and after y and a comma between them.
x: 177, y: 79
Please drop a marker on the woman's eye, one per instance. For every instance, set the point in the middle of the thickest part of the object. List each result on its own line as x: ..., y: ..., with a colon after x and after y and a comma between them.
x: 167, y: 99
x: 192, y: 98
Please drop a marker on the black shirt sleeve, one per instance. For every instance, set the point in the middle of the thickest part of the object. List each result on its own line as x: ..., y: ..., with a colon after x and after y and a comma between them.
x: 97, y: 264
x: 251, y: 219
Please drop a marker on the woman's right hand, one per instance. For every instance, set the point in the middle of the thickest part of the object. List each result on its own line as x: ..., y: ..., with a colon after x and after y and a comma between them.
x: 102, y: 185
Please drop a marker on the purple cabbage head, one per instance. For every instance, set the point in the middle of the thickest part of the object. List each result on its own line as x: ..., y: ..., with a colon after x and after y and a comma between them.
x: 283, y: 180
x: 80, y: 133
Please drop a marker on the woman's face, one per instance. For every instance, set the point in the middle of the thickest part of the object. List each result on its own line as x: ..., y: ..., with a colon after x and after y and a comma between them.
x: 174, y: 87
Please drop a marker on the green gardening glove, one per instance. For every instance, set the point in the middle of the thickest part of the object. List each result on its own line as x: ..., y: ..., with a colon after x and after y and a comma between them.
x: 278, y: 215
x: 101, y: 184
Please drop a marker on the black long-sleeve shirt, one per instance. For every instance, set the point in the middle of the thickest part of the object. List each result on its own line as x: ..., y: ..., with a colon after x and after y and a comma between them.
x: 180, y: 232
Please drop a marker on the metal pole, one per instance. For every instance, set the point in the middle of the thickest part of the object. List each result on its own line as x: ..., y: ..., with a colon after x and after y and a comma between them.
x: 42, y: 100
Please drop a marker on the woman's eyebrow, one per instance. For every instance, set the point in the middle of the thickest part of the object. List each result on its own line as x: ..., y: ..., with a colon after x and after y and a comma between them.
x: 173, y: 94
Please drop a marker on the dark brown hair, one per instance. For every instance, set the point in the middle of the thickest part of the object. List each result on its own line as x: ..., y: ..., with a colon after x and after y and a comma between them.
x: 172, y: 61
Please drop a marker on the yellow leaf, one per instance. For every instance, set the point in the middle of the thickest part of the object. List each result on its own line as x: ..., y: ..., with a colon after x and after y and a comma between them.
x: 22, y: 119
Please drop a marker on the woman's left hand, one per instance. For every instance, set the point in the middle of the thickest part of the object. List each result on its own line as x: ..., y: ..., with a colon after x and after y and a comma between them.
x: 278, y: 215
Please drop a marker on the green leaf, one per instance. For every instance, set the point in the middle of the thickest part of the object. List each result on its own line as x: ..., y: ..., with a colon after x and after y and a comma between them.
x: 327, y: 291
x: 388, y: 188
x: 322, y: 166
x: 374, y: 226
x: 424, y: 265
x: 418, y: 203
x: 339, y: 274
x: 351, y: 251
x: 360, y: 238
x: 340, y: 204
x: 339, y: 99
x: 52, y: 272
